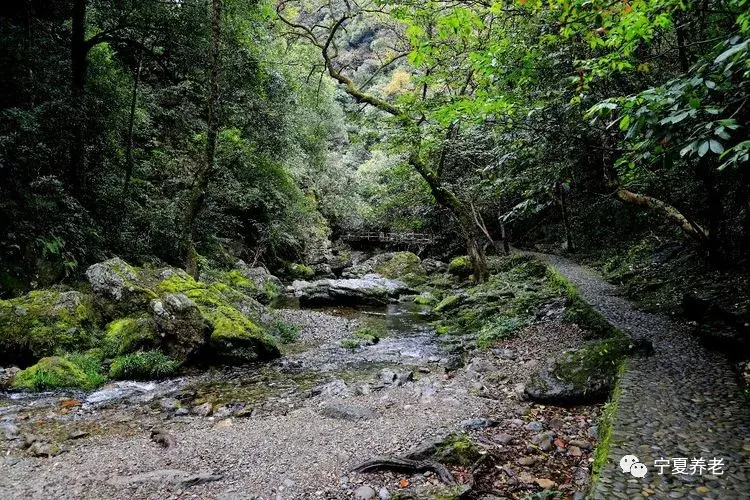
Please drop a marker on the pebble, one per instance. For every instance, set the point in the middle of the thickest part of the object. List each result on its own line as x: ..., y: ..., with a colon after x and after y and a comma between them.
x: 527, y: 461
x: 574, y: 451
x: 10, y: 431
x: 204, y: 410
x: 534, y: 426
x: 544, y: 440
x: 364, y: 493
x: 584, y: 445
x: 477, y: 423
x: 503, y: 438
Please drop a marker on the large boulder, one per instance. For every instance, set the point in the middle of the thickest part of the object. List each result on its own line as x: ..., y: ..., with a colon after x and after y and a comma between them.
x: 215, y: 320
x: 371, y: 289
x: 255, y: 282
x: 44, y: 321
x: 182, y: 326
x: 119, y: 288
x: 404, y: 266
x: 238, y: 325
x: 583, y: 375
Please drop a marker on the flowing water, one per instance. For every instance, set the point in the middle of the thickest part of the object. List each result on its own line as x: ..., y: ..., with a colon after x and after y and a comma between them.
x: 409, y: 342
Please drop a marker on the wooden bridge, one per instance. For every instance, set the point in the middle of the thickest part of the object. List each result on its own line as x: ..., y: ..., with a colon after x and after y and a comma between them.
x: 383, y: 237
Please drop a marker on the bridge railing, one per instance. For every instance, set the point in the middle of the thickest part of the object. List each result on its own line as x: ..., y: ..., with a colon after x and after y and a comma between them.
x: 383, y: 237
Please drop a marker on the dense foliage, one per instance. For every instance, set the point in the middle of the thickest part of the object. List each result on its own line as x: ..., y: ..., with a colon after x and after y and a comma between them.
x: 259, y: 130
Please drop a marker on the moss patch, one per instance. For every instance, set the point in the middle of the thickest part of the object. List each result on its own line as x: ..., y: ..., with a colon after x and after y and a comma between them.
x: 57, y: 372
x: 369, y: 332
x: 606, y: 421
x: 127, y: 335
x: 299, y: 271
x: 458, y: 449
x: 460, y: 267
x: 143, y: 366
x: 499, y: 328
x: 44, y: 322
x: 448, y: 303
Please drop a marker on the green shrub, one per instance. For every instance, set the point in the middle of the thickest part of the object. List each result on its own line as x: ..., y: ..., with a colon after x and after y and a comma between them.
x: 500, y: 328
x: 286, y: 332
x: 299, y: 271
x: 91, y: 364
x: 350, y: 343
x: 143, y: 365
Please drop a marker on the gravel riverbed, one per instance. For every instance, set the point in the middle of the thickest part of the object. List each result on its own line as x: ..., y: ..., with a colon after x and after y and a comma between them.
x: 301, y: 439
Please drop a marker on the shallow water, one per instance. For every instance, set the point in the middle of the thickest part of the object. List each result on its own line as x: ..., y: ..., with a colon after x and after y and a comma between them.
x: 409, y: 341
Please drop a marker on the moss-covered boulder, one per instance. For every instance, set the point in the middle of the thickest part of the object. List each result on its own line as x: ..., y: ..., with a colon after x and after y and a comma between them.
x: 126, y: 335
x: 119, y: 289
x: 43, y: 322
x: 182, y: 326
x: 298, y: 271
x: 238, y: 325
x: 583, y: 375
x: 460, y: 267
x: 404, y: 266
x: 255, y: 282
x: 53, y: 372
x: 448, y: 303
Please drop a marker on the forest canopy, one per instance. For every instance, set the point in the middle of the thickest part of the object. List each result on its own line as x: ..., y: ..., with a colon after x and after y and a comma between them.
x: 195, y: 132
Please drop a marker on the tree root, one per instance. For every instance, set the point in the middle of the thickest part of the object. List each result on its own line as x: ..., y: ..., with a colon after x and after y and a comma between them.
x: 406, y: 465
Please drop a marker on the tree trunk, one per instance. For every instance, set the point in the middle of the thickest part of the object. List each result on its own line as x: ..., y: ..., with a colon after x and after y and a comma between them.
x: 706, y: 173
x: 682, y: 53
x: 131, y: 119
x: 565, y: 216
x: 745, y: 197
x: 503, y: 235
x: 691, y: 228
x: 463, y: 213
x: 204, y: 174
x: 78, y: 52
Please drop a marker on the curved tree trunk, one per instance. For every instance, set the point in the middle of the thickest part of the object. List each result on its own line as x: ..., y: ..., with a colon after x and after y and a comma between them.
x: 691, y: 228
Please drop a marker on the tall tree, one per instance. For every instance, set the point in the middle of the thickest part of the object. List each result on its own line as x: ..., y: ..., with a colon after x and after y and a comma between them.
x: 206, y: 170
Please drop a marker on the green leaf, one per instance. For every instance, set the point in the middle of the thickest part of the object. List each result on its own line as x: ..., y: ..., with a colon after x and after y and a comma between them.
x: 625, y: 122
x: 729, y: 53
x: 703, y: 149
x: 716, y: 146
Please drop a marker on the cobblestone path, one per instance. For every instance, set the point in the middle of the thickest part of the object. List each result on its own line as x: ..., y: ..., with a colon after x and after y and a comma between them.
x: 682, y: 402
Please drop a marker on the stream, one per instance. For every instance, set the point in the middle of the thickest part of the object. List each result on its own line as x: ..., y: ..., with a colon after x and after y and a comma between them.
x: 315, y: 359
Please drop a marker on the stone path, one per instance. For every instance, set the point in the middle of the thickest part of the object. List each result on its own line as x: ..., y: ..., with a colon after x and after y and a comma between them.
x: 682, y: 402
